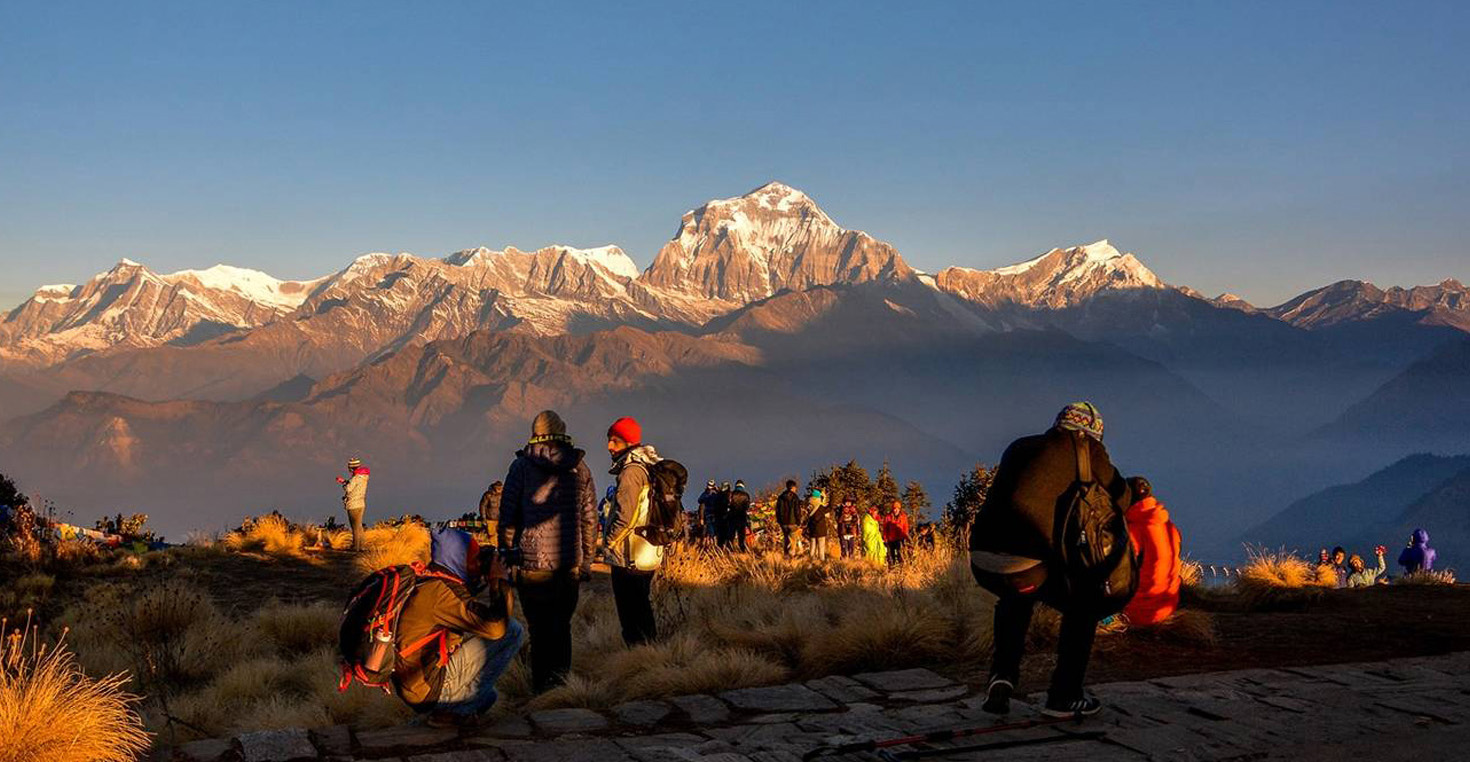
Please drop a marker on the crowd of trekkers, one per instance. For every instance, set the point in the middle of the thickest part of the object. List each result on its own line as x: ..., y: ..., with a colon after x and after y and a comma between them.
x: 1349, y: 570
x: 1059, y: 525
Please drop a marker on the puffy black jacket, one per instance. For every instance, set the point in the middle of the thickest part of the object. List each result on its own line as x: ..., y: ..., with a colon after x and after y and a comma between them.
x: 788, y: 509
x: 549, y: 507
x: 739, y: 506
x: 1030, y: 489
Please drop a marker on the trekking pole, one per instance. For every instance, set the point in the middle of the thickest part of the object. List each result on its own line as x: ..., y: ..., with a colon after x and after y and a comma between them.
x: 931, y: 737
x: 899, y: 756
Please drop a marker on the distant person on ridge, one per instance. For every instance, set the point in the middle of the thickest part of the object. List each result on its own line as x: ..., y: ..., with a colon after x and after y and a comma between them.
x: 818, y: 523
x: 872, y: 531
x: 849, y: 524
x: 1360, y: 575
x: 1013, y: 550
x: 1157, y: 540
x: 548, y: 525
x: 707, y: 526
x: 459, y: 645
x: 354, y: 498
x: 788, y: 515
x: 895, y: 532
x: 1418, y: 556
x: 490, y: 510
x: 633, y: 559
x: 737, y: 516
x: 1339, y: 565
x: 722, y: 510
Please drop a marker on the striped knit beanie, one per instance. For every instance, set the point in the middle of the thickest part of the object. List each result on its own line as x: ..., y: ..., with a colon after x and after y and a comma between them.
x: 1083, y: 417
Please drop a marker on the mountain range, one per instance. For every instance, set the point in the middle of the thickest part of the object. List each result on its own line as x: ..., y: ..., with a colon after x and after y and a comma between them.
x: 764, y: 339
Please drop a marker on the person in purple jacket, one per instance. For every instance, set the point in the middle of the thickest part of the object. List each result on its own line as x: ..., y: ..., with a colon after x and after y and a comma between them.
x: 1418, y: 556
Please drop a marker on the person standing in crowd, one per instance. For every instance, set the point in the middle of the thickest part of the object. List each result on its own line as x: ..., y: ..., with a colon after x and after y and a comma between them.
x: 1361, y: 576
x: 633, y: 559
x: 443, y: 617
x: 1339, y: 565
x: 895, y: 532
x: 490, y: 510
x: 722, y: 506
x: 354, y: 498
x: 1157, y: 540
x: 711, y: 532
x: 548, y: 524
x: 737, y: 516
x: 872, y: 533
x: 788, y: 515
x: 1012, y: 540
x: 848, y: 526
x: 818, y: 523
x: 1418, y: 556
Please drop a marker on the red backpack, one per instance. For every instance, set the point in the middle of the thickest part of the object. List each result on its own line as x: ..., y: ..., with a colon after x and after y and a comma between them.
x: 368, y: 633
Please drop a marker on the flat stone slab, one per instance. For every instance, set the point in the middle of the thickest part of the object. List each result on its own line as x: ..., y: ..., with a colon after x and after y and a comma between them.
x: 411, y: 737
x: 333, y: 741
x: 841, y: 689
x: 702, y: 709
x: 208, y: 750
x: 644, y: 713
x: 276, y: 746
x: 792, y: 697
x: 593, y: 750
x: 903, y: 680
x: 509, y: 726
x: 469, y: 755
x: 933, y: 695
x: 568, y: 721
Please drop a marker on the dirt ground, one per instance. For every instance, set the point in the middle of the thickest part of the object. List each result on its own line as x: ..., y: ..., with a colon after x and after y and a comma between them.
x: 1339, y: 626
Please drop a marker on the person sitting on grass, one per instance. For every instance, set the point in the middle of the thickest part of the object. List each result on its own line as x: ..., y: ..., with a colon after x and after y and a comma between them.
x: 1361, y: 576
x: 465, y: 644
x: 1157, y: 540
x: 1418, y: 556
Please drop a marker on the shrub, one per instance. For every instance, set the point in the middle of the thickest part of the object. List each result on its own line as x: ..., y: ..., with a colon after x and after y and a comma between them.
x: 50, y: 711
x: 387, y: 545
x: 271, y: 533
x: 292, y: 630
x: 1445, y: 577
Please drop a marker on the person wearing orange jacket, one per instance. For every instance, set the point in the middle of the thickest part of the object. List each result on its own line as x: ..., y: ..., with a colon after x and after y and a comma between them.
x: 1157, y: 539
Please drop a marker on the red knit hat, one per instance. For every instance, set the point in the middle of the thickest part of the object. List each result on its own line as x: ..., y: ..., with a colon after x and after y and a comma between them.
x: 626, y: 429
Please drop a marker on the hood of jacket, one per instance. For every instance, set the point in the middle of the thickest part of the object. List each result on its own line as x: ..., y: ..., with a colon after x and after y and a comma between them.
x: 1147, y: 511
x: 643, y: 454
x: 1421, y: 538
x: 553, y: 455
x: 361, y: 471
x: 450, y: 549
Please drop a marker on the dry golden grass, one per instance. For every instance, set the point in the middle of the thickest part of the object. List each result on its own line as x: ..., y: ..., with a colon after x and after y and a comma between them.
x: 1275, y: 578
x: 1191, y: 574
x: 291, y: 630
x: 386, y: 545
x: 267, y: 534
x: 1445, y: 577
x: 50, y: 711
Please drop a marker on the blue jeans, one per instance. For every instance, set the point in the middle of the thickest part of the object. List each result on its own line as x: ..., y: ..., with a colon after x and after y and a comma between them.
x: 474, y: 668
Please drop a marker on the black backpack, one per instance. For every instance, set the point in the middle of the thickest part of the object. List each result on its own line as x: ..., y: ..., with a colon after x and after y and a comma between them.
x: 367, y: 641
x: 666, y: 482
x: 1099, y: 569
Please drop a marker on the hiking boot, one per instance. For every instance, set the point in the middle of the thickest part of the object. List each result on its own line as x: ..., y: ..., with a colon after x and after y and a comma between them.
x: 1086, y: 706
x: 998, y: 696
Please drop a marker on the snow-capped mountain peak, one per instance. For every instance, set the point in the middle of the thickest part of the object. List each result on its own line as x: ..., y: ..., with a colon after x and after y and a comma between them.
x: 252, y: 285
x: 1057, y: 278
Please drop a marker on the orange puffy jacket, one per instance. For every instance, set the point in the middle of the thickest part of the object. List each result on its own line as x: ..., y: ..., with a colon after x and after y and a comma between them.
x: 1156, y: 537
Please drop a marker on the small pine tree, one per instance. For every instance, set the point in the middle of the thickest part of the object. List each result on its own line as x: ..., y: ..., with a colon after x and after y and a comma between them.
x: 885, y: 488
x: 848, y: 482
x: 10, y: 494
x: 969, y: 495
x: 915, y: 501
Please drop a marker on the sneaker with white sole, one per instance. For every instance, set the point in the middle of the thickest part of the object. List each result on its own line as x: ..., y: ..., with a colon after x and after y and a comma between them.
x: 998, y: 696
x: 1086, y: 706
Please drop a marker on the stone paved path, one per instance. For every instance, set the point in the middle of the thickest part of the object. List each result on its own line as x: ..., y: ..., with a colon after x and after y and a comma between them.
x: 1402, y: 709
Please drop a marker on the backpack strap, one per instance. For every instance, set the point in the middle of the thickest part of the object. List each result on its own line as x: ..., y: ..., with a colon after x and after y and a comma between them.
x: 1084, y: 458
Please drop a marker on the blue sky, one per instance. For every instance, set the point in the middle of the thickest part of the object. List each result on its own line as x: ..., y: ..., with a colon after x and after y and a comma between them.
x: 1264, y: 148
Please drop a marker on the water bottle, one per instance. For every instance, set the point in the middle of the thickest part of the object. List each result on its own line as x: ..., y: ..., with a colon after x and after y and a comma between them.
x: 381, y: 651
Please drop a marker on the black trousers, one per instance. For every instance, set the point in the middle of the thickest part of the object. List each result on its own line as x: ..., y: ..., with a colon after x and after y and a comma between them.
x: 1074, y: 648
x: 549, y: 599
x: 633, y: 595
x: 735, y: 530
